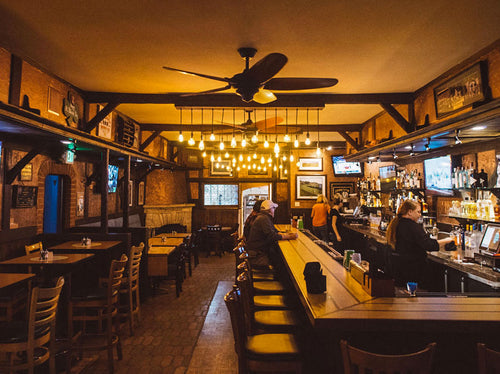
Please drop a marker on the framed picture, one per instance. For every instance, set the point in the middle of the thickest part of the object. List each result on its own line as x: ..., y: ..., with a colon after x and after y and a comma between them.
x: 310, y: 186
x: 104, y: 130
x: 26, y: 173
x: 140, y: 194
x: 342, y: 188
x: 465, y: 89
x: 222, y: 168
x: 309, y: 163
x: 130, y: 193
x: 54, y: 100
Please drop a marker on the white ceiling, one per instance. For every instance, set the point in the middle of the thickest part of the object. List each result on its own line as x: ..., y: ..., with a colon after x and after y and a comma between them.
x: 370, y: 47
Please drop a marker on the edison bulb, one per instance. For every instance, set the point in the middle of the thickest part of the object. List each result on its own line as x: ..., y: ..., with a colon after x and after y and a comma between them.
x: 243, y: 142
x: 181, y: 137
x: 254, y: 156
x: 212, y: 158
x: 221, y: 146
x: 219, y: 158
x: 291, y: 158
x: 240, y: 157
x: 296, y: 143
x: 255, y: 139
x: 233, y: 142
x: 191, y: 140
x: 201, y: 146
x: 308, y: 141
x: 286, y: 138
x: 204, y: 154
x: 226, y: 155
x: 276, y: 148
x: 266, y: 144
x: 212, y: 137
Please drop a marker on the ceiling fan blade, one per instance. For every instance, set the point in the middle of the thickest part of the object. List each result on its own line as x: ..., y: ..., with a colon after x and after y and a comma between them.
x: 267, y: 67
x: 282, y: 130
x: 197, y: 74
x: 205, y: 92
x: 299, y: 83
x: 264, y: 97
x: 268, y: 123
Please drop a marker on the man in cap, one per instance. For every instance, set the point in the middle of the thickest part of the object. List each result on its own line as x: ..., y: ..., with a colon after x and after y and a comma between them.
x: 263, y: 236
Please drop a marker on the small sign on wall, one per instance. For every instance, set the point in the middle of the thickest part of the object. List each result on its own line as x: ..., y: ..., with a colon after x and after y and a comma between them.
x: 104, y: 130
x: 26, y: 173
x: 24, y: 196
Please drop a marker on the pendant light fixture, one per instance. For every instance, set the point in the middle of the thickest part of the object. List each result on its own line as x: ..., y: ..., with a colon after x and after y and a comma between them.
x: 266, y: 143
x: 221, y: 144
x: 212, y: 135
x: 276, y: 145
x: 233, y: 139
x: 287, y: 137
x: 201, y: 145
x: 318, y: 150
x: 181, y: 137
x: 255, y: 138
x: 191, y: 138
x: 308, y: 141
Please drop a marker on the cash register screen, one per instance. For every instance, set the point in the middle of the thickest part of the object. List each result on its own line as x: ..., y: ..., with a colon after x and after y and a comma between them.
x: 491, y: 239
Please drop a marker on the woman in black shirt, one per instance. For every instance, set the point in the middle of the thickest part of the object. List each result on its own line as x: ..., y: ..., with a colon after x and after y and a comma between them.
x: 411, y: 243
x: 337, y: 222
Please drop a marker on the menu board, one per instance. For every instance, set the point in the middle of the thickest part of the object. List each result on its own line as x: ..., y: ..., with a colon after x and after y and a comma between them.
x: 24, y: 196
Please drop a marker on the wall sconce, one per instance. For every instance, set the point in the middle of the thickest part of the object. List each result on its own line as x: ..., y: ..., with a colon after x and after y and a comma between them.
x: 428, y: 145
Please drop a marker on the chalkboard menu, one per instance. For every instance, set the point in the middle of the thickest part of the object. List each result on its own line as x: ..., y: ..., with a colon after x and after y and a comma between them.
x: 24, y: 196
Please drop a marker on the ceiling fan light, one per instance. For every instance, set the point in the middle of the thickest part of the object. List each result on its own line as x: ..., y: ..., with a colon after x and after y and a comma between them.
x: 263, y: 96
x: 212, y: 137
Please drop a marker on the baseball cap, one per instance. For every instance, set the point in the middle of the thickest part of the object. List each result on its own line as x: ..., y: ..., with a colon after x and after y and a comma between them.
x: 267, y: 205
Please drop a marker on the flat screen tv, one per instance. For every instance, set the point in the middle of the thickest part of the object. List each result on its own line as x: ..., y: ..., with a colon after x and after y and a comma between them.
x: 437, y: 173
x: 342, y: 168
x: 112, y: 178
x: 387, y: 177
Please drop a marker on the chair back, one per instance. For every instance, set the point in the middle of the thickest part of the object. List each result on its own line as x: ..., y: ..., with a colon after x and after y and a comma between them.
x: 43, y: 308
x: 415, y: 363
x: 134, y: 263
x: 233, y: 305
x: 488, y: 360
x: 246, y: 297
x: 115, y: 278
x: 29, y: 249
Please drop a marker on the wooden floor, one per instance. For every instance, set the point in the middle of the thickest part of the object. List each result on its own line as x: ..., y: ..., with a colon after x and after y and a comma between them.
x: 190, y: 334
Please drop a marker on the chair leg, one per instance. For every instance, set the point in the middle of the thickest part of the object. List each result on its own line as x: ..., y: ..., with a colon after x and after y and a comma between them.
x: 138, y: 305
x: 109, y: 340
x: 119, y: 352
x: 130, y: 311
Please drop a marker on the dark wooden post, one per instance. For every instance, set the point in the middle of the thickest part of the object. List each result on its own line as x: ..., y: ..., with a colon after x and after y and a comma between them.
x: 104, y: 190
x: 126, y: 193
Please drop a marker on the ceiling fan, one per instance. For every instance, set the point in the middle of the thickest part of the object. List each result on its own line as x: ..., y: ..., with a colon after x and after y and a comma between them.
x: 256, y: 82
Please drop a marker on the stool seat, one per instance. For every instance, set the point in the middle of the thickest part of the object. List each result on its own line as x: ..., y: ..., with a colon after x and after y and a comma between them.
x: 270, y: 302
x: 258, y: 276
x: 280, y: 318
x: 269, y: 346
x: 272, y: 287
x: 17, y: 332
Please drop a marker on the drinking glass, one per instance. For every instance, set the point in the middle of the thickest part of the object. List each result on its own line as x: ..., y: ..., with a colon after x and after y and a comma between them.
x: 412, y: 288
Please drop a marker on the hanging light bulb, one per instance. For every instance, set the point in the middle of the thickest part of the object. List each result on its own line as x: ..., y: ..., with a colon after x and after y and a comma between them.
x: 269, y: 160
x: 264, y: 168
x: 255, y: 138
x: 212, y: 158
x: 254, y: 156
x: 233, y: 142
x: 249, y: 158
x: 219, y: 158
x: 221, y: 145
x: 181, y: 137
x: 238, y: 168
x: 291, y: 157
x: 286, y: 171
x: 254, y: 166
x: 298, y: 164
x: 191, y: 140
x: 284, y: 157
x: 276, y: 148
x: 296, y: 142
x: 262, y: 159
x: 234, y: 160
x: 308, y: 141
x: 217, y: 165
x: 281, y: 166
x: 318, y: 150
x: 212, y: 136
x: 226, y: 155
x: 275, y: 168
x: 286, y: 138
x: 204, y: 154
x: 240, y: 157
x: 201, y: 145
x: 244, y: 142
x: 266, y: 143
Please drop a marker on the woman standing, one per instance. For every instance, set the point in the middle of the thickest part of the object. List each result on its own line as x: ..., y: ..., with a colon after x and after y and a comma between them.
x: 319, y: 216
x: 337, y: 223
x: 410, y: 243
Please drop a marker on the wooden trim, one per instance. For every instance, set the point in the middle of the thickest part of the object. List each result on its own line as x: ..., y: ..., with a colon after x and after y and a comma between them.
x: 16, y: 72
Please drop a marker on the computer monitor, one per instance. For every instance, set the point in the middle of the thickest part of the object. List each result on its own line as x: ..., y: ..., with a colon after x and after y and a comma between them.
x: 490, y: 241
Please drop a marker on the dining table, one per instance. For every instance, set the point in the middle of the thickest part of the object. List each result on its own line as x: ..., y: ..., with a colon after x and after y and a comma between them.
x: 166, y: 241
x: 11, y: 279
x: 174, y: 235
x: 77, y: 246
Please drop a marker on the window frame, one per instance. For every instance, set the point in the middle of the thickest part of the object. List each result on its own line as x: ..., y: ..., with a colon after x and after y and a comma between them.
x: 222, y: 206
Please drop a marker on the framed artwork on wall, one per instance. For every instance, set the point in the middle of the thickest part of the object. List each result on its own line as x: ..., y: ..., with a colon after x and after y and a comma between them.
x: 104, y: 130
x: 310, y: 186
x: 312, y: 164
x: 140, y: 193
x: 342, y: 188
x: 26, y: 173
x: 222, y: 168
x: 130, y: 193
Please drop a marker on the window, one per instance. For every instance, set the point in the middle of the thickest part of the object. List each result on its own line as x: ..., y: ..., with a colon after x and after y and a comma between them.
x: 221, y: 194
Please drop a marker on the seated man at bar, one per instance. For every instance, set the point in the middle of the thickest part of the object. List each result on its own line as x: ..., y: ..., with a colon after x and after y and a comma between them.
x: 410, y: 242
x: 263, y: 236
x: 251, y: 218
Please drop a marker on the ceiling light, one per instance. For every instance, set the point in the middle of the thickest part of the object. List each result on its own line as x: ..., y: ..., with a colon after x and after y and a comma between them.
x: 266, y: 144
x: 221, y: 145
x: 478, y: 128
x: 212, y: 137
x: 457, y: 139
x: 204, y: 154
x: 308, y: 141
x: 201, y: 146
x: 181, y: 137
x: 233, y: 142
x: 226, y: 155
x: 412, y: 152
x: 255, y: 138
x: 296, y: 142
x: 286, y: 138
x: 276, y: 148
x: 191, y: 140
x: 244, y: 142
x: 394, y: 155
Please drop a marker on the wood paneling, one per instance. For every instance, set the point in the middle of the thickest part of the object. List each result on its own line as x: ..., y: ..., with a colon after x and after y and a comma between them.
x: 4, y: 75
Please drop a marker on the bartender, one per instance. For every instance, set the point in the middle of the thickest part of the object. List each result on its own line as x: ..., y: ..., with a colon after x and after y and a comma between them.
x: 410, y: 243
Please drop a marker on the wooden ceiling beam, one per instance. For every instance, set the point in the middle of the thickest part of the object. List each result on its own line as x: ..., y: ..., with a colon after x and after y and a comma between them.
x: 397, y: 117
x: 103, y: 113
x: 149, y: 140
x: 284, y: 100
x: 350, y: 140
x: 206, y: 127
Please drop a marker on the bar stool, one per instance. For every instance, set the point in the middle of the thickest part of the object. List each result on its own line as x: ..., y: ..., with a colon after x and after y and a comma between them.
x: 130, y: 305
x: 25, y: 342
x: 100, y: 305
x: 488, y: 360
x: 274, y: 353
x: 260, y: 302
x: 418, y: 362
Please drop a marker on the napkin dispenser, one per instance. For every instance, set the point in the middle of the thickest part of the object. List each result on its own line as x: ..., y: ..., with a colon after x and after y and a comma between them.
x: 315, y: 280
x: 378, y: 284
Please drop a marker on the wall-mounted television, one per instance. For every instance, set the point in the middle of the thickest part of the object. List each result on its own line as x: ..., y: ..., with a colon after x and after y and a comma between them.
x: 437, y: 173
x: 387, y: 177
x: 112, y: 178
x: 342, y: 168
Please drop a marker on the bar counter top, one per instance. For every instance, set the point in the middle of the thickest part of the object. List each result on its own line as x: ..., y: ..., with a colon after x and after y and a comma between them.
x: 474, y: 271
x: 346, y: 306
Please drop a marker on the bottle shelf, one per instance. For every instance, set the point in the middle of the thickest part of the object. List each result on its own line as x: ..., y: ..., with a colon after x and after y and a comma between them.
x: 461, y: 218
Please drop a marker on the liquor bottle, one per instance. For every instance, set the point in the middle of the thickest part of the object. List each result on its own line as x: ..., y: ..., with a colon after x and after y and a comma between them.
x: 425, y: 207
x: 482, y: 178
x: 420, y: 181
x: 377, y: 184
x: 454, y: 178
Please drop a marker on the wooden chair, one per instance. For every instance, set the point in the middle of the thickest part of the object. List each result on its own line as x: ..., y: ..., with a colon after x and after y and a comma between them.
x: 415, y: 363
x: 488, y: 360
x: 263, y: 352
x: 36, y: 247
x: 98, y: 305
x: 24, y: 343
x: 130, y: 305
x: 214, y: 240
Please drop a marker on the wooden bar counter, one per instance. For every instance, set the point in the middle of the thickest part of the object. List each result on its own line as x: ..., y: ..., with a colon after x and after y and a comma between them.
x: 345, y: 310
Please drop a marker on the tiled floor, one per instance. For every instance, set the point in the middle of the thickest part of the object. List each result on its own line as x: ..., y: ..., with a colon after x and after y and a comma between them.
x: 170, y: 328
